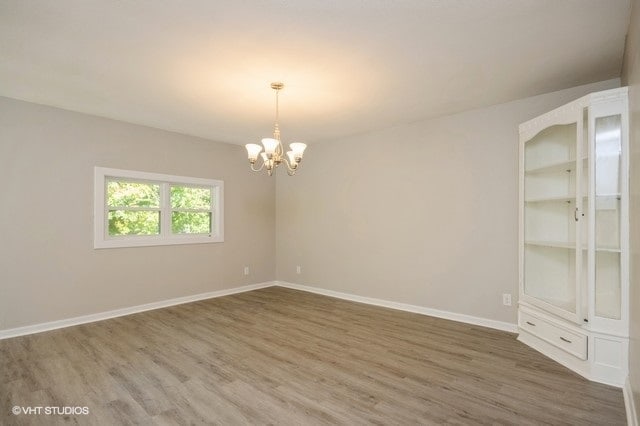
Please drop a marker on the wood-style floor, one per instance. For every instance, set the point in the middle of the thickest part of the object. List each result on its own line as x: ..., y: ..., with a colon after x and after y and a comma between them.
x: 279, y: 356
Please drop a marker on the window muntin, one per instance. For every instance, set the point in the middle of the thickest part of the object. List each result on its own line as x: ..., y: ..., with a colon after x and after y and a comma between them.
x: 141, y: 209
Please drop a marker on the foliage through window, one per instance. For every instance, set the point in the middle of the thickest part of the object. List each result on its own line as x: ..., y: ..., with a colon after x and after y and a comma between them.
x: 190, y: 210
x: 136, y: 208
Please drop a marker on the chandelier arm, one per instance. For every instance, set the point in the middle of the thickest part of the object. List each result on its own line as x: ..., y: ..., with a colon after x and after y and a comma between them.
x: 257, y: 170
x: 285, y: 161
x: 289, y: 168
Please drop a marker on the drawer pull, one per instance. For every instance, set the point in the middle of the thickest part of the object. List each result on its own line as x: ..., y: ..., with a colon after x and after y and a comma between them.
x: 531, y: 324
x: 565, y: 340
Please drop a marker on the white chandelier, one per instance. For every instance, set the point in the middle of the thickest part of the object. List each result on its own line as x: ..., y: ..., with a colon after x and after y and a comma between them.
x: 273, y: 154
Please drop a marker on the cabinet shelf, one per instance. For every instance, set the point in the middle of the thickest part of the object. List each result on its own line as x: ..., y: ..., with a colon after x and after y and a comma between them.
x: 554, y: 244
x: 569, y: 245
x: 610, y: 249
x: 564, y: 198
x: 563, y: 166
x: 569, y: 199
x: 607, y: 196
x: 566, y: 305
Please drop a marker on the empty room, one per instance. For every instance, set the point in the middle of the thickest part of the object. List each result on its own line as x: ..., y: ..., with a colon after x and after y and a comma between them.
x: 320, y: 212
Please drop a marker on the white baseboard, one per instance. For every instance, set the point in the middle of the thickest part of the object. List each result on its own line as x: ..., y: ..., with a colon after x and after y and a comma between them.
x: 53, y: 325
x: 629, y: 404
x: 484, y: 322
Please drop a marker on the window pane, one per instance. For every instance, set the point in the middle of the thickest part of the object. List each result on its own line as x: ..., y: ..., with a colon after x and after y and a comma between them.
x: 132, y: 222
x: 187, y: 197
x: 132, y: 194
x: 190, y: 223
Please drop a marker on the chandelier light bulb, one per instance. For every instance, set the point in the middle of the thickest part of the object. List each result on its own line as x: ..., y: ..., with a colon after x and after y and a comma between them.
x: 253, y: 150
x: 270, y: 145
x: 292, y: 159
x: 298, y: 149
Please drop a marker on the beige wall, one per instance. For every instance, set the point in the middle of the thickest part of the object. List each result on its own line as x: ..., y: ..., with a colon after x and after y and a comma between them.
x: 48, y: 267
x: 424, y: 213
x: 631, y: 78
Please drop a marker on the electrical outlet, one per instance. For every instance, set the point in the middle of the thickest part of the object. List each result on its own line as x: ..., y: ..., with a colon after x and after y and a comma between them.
x: 506, y: 299
x: 246, y: 270
x: 298, y: 269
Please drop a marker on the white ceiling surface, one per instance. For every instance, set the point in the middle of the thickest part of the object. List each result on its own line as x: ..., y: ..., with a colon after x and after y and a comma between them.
x: 203, y: 67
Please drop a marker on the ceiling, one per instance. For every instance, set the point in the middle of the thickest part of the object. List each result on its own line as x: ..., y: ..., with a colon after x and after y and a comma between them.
x: 203, y: 67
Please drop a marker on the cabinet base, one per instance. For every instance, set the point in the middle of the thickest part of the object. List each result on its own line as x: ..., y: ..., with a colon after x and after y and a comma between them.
x: 606, y: 361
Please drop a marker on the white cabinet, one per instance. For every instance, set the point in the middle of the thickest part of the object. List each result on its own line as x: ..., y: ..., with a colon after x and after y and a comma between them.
x: 574, y: 235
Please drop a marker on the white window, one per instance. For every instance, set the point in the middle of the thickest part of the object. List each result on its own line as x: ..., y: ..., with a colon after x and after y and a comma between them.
x: 148, y: 209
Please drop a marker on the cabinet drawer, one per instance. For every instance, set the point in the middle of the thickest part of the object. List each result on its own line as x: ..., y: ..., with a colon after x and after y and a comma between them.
x: 572, y: 342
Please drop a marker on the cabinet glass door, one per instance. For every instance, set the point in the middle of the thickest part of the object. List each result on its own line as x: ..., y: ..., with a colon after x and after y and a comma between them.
x: 607, y: 197
x: 553, y: 163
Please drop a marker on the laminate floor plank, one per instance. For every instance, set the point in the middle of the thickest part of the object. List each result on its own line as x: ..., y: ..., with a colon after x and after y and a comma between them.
x: 280, y: 356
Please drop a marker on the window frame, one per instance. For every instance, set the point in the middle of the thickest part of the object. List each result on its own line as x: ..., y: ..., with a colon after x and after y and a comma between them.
x: 102, y: 239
